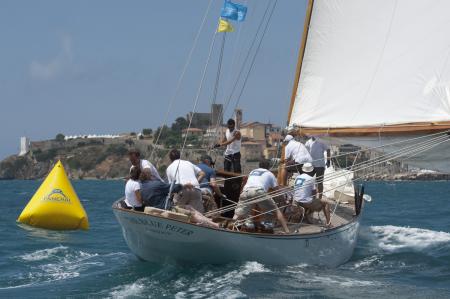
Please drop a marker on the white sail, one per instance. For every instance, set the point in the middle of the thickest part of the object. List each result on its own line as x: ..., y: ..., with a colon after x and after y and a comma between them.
x: 375, y: 63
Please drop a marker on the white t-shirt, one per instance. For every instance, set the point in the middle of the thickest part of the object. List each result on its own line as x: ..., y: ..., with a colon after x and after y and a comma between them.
x: 130, y: 196
x: 304, y: 186
x: 187, y: 173
x: 153, y: 171
x: 235, y: 146
x: 261, y: 178
x: 297, y: 151
x: 317, y: 150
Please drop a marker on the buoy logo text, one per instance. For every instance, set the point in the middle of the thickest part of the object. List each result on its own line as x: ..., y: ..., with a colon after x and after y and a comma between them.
x: 56, y: 195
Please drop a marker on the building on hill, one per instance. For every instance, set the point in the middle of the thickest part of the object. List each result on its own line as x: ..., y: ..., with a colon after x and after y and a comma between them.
x: 251, y: 151
x: 214, y: 134
x: 216, y: 115
x: 192, y: 132
x: 254, y: 131
x: 24, y: 146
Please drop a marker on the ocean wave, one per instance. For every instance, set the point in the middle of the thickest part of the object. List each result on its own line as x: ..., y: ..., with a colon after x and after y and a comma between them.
x: 393, y: 239
x: 222, y: 286
x: 130, y: 290
x: 43, y: 254
x: 52, y: 264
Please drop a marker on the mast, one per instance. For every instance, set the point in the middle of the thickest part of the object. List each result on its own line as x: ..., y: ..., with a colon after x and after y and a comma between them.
x: 301, y: 53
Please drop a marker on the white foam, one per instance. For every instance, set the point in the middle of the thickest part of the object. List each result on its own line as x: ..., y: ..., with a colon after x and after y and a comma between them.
x: 367, y: 262
x: 394, y: 238
x: 43, y: 254
x: 129, y: 290
x: 223, y: 285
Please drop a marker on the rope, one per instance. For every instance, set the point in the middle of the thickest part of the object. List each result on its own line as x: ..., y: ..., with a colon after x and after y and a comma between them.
x: 239, y: 222
x: 177, y: 89
x: 256, y: 53
x: 424, y: 146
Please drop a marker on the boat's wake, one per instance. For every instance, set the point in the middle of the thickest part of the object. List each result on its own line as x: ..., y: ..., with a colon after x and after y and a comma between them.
x: 395, y: 239
x: 53, y: 264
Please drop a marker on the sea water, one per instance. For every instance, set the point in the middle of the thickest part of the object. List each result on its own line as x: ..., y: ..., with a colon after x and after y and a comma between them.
x: 403, y: 251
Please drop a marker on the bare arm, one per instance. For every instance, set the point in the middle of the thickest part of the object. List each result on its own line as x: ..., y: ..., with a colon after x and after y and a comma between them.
x: 138, y: 196
x: 215, y: 187
x: 236, y: 136
x: 200, y: 176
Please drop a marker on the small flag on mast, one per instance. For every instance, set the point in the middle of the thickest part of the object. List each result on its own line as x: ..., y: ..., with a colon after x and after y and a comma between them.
x: 224, y: 26
x: 233, y: 11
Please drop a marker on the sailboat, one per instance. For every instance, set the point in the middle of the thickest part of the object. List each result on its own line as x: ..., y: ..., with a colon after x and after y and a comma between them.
x: 370, y: 73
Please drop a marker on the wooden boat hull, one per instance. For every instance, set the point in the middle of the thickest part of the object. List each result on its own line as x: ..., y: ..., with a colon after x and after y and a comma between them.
x: 157, y: 239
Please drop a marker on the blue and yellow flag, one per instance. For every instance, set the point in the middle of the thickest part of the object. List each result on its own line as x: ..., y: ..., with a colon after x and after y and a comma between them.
x: 224, y: 26
x: 233, y: 11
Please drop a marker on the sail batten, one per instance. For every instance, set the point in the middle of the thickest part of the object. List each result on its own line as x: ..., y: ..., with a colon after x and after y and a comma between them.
x: 375, y: 64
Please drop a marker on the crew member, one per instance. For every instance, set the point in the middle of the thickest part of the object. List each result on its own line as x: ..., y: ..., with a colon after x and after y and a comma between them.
x: 317, y: 148
x: 232, y: 140
x: 258, y: 184
x: 135, y: 158
x: 184, y: 172
x: 295, y: 155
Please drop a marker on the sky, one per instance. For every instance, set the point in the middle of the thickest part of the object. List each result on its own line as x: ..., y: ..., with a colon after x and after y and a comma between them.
x: 108, y: 67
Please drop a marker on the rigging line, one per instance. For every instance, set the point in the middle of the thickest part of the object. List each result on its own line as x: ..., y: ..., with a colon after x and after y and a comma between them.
x: 233, y: 59
x: 192, y: 116
x: 261, y: 198
x: 177, y: 89
x: 247, y: 56
x: 361, y: 150
x: 277, y: 193
x: 262, y: 213
x: 216, y: 85
x: 256, y: 53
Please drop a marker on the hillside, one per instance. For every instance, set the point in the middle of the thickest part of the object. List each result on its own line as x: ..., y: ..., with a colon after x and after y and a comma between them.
x: 83, y: 158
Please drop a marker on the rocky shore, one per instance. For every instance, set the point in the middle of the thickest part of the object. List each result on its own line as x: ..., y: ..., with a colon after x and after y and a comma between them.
x: 83, y: 159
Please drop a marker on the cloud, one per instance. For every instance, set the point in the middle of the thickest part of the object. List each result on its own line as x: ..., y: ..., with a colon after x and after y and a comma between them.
x: 56, y: 66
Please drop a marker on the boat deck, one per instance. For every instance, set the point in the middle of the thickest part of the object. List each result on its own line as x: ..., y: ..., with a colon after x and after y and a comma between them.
x: 343, y: 215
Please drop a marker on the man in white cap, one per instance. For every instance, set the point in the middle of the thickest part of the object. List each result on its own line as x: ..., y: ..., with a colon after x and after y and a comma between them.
x: 295, y: 155
x: 317, y: 149
x: 260, y: 181
x: 305, y: 194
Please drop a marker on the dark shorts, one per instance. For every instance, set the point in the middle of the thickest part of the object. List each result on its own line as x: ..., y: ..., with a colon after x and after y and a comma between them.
x: 232, y: 163
x: 293, y: 167
x: 319, y: 172
x: 124, y: 205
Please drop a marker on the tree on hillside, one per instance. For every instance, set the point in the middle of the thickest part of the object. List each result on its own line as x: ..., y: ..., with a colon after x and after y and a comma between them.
x: 147, y: 132
x: 179, y: 124
x: 60, y: 137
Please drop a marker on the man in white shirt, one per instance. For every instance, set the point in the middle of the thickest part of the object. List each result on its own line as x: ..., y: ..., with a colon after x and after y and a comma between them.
x: 305, y: 194
x: 232, y: 140
x: 317, y: 149
x: 135, y: 158
x: 295, y: 155
x: 184, y: 172
x: 259, y: 182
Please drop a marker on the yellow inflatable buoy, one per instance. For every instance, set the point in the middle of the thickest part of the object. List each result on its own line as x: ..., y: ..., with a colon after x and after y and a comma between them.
x: 55, y: 205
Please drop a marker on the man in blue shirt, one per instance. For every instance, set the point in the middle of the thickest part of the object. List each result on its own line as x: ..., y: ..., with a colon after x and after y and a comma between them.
x: 208, y: 184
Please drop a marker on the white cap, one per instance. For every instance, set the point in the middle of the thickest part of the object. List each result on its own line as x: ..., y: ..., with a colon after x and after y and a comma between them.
x: 307, y: 167
x: 288, y: 138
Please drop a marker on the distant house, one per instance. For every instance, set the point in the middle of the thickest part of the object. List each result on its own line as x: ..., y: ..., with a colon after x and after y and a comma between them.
x: 251, y: 151
x: 214, y: 134
x: 255, y: 131
x: 191, y: 132
x: 274, y: 139
x: 272, y: 152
